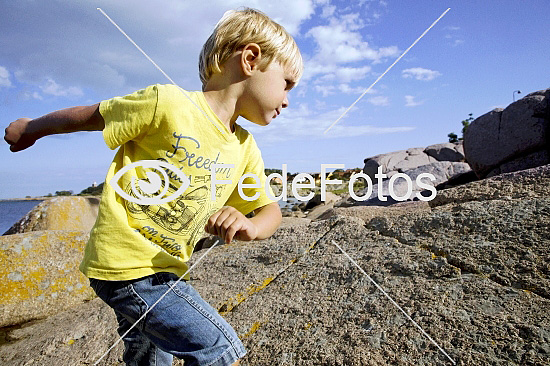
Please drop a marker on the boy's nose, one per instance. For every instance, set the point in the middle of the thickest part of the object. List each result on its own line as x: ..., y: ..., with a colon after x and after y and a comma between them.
x: 285, y: 102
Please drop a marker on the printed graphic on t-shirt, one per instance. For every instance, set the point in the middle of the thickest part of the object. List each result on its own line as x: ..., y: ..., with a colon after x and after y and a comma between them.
x: 183, y: 218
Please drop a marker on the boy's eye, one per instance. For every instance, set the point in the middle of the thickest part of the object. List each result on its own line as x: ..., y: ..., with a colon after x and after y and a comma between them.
x: 289, y: 84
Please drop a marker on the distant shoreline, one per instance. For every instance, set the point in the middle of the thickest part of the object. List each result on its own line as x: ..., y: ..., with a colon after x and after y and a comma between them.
x: 24, y: 199
x: 44, y: 198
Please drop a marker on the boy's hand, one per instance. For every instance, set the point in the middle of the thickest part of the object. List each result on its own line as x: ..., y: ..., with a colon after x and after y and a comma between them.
x: 229, y: 223
x: 16, y: 135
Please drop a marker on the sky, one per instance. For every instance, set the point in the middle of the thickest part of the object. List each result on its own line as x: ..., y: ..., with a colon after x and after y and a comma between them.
x: 58, y: 54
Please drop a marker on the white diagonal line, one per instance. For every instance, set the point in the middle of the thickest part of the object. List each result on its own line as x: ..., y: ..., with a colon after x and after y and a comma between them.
x: 394, y: 303
x: 388, y: 69
x: 156, y: 302
x: 159, y: 69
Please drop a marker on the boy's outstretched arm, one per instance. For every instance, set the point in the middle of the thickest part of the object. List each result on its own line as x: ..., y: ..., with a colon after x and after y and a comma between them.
x: 228, y: 223
x: 23, y: 132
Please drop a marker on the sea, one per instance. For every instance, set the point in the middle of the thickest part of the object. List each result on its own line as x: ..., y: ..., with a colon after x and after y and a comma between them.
x: 12, y: 211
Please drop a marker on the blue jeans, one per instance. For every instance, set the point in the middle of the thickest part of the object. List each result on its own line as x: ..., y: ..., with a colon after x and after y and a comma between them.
x: 181, y: 324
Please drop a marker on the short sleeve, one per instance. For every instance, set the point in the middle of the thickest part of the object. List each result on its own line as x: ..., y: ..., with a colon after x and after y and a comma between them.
x: 254, y: 166
x: 129, y: 117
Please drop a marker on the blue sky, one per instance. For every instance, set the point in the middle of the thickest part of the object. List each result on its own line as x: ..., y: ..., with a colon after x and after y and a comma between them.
x: 57, y: 54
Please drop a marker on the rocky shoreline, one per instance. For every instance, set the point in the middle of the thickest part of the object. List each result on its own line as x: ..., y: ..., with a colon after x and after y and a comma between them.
x: 471, y: 267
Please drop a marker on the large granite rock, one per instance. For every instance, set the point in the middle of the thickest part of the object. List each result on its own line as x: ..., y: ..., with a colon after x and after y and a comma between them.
x: 442, y: 171
x: 510, y: 139
x: 402, y: 160
x: 474, y: 274
x: 59, y: 213
x: 446, y: 152
x: 39, y: 274
x: 525, y: 184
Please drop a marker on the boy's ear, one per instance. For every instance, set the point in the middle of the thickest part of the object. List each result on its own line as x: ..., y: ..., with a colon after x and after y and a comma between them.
x: 250, y: 58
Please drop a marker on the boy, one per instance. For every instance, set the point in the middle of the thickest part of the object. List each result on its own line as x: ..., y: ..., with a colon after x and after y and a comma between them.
x: 137, y: 250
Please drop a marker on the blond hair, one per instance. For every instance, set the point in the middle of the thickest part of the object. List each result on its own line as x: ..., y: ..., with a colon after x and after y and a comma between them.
x: 236, y: 29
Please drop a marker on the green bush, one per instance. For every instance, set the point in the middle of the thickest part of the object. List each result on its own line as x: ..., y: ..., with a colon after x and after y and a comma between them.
x: 465, y: 124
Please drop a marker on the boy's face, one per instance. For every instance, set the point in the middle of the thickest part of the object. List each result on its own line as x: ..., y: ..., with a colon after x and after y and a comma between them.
x: 266, y: 94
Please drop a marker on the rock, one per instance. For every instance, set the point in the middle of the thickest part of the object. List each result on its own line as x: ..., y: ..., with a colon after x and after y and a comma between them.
x: 446, y: 152
x: 404, y: 160
x: 39, y: 274
x: 502, y: 136
x: 473, y: 274
x: 316, y: 200
x: 523, y: 184
x: 386, y: 161
x: 412, y: 161
x: 441, y: 170
x: 524, y: 162
x: 319, y: 210
x: 59, y: 213
x: 366, y: 213
x: 79, y: 335
x: 294, y: 222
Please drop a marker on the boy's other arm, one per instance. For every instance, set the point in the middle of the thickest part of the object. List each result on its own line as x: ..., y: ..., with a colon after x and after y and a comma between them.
x: 229, y: 223
x: 23, y: 132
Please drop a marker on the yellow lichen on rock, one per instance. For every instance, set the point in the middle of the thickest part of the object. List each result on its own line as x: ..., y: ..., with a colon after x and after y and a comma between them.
x: 252, y: 330
x: 39, y: 274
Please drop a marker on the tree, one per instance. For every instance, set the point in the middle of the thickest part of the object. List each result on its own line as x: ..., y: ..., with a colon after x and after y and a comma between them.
x: 465, y: 124
x: 94, y: 191
x: 453, y: 137
x: 63, y: 193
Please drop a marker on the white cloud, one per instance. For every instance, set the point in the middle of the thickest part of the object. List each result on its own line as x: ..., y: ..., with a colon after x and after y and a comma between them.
x: 345, y: 88
x: 337, y: 43
x: 325, y: 90
x: 380, y: 101
x: 328, y: 11
x: 4, y: 77
x: 458, y: 42
x: 451, y: 28
x: 347, y: 74
x: 53, y: 88
x: 341, y: 53
x: 106, y: 63
x: 420, y: 74
x: 301, y: 122
x: 410, y: 102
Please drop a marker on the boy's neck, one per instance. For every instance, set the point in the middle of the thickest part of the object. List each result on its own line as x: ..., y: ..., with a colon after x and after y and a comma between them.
x: 224, y: 104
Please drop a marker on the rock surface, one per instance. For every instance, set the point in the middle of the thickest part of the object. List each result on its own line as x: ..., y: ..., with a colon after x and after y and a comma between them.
x: 402, y: 160
x: 472, y: 270
x: 59, y: 213
x: 442, y: 171
x: 510, y: 139
x: 39, y: 274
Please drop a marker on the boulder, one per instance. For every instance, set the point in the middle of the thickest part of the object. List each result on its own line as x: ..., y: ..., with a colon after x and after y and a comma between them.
x: 59, y: 213
x: 446, y: 152
x: 366, y: 213
x: 525, y: 184
x: 507, y: 136
x: 39, y: 274
x: 386, y: 161
x: 533, y: 160
x: 316, y: 200
x: 413, y: 161
x: 402, y: 160
x: 441, y: 170
x: 473, y: 274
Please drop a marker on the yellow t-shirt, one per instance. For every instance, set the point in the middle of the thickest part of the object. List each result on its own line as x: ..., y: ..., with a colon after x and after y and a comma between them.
x: 131, y: 240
